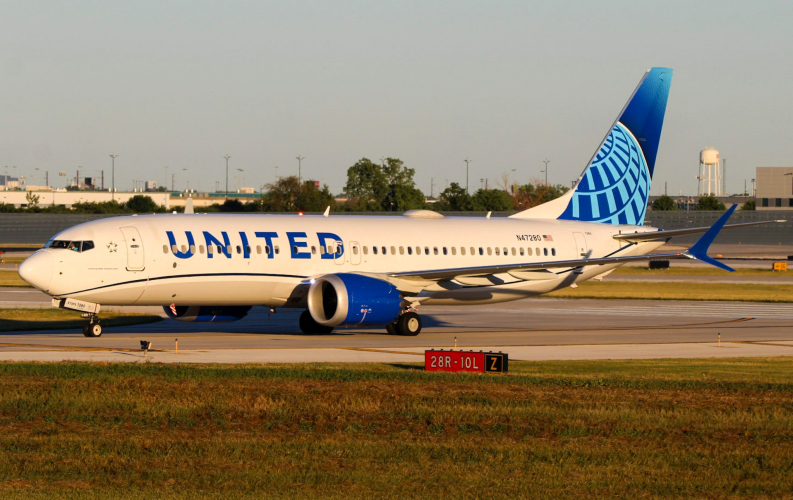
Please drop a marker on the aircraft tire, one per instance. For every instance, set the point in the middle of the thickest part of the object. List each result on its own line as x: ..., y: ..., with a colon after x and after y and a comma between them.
x: 409, y: 324
x: 92, y: 330
x: 308, y: 325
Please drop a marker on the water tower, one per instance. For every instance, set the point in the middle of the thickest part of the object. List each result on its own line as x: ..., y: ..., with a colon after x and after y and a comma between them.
x: 710, y: 180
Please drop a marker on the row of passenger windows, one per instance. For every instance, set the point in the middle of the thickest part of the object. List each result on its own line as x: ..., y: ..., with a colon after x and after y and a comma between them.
x: 376, y: 250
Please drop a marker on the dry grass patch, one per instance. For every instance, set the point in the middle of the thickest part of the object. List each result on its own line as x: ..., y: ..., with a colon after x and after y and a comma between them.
x: 11, y: 278
x: 744, y: 292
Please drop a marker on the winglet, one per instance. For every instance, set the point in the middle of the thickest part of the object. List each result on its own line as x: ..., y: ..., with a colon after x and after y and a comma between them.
x: 700, y: 249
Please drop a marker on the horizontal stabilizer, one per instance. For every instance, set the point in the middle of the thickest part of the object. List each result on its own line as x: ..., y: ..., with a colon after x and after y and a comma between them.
x: 665, y: 235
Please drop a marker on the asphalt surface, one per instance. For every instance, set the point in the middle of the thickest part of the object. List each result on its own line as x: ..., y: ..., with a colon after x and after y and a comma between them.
x: 540, y: 328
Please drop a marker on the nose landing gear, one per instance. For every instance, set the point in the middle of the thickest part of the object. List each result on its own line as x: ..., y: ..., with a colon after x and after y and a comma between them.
x: 92, y: 329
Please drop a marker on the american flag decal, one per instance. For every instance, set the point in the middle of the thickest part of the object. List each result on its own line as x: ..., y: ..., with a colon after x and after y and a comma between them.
x: 547, y: 237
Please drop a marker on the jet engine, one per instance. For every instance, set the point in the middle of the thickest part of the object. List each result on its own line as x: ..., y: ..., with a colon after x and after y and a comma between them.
x: 351, y: 299
x: 206, y: 314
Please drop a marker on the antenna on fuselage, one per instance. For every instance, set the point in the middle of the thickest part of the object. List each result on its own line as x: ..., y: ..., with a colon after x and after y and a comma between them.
x: 327, y: 211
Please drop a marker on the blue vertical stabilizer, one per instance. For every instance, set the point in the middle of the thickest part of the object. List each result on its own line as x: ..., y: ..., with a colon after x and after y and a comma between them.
x: 615, y: 186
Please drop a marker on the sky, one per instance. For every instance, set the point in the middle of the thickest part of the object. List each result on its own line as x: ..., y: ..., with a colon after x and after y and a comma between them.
x: 506, y: 84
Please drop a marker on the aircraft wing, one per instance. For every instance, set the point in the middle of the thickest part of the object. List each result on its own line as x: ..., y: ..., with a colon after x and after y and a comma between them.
x: 663, y: 235
x: 435, y: 274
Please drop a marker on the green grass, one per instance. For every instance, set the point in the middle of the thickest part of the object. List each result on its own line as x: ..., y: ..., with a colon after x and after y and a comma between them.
x: 622, y: 429
x: 14, y: 320
x: 11, y: 278
x: 678, y: 291
x: 700, y: 271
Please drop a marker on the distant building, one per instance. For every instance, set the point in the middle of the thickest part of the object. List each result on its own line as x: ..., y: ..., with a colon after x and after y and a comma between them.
x: 774, y: 188
x: 8, y: 182
x: 151, y: 186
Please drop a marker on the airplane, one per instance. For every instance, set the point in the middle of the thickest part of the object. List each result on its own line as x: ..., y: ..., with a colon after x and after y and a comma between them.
x: 374, y: 270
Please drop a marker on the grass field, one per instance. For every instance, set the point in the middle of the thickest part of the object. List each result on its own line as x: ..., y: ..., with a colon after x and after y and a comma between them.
x: 678, y: 291
x: 11, y: 278
x: 15, y: 320
x: 628, y: 429
x: 700, y: 271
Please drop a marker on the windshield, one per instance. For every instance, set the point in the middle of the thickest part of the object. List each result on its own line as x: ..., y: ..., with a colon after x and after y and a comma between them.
x: 75, y: 246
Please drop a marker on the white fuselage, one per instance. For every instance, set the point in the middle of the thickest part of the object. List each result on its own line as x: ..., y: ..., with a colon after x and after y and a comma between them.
x: 263, y: 259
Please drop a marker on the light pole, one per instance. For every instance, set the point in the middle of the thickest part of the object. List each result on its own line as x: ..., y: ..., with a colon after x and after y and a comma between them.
x: 240, y: 177
x: 113, y: 176
x: 546, y: 161
x: 300, y: 159
x: 276, y: 173
x: 467, y: 161
x: 513, y: 180
x: 227, y: 156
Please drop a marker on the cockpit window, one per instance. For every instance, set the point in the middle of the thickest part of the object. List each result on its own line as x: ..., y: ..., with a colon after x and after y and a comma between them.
x: 75, y: 246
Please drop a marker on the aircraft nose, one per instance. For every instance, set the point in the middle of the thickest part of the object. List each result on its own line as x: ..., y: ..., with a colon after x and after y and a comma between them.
x: 37, y: 270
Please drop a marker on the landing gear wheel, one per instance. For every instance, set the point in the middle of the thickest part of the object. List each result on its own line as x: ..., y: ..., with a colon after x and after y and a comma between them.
x: 309, y: 325
x: 92, y: 330
x: 409, y: 324
x: 391, y: 328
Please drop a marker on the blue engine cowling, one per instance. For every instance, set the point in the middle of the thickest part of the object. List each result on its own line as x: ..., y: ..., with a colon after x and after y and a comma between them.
x: 207, y: 314
x: 351, y: 299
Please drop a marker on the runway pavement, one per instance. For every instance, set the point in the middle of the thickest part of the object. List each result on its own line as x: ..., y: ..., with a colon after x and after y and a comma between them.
x: 532, y: 329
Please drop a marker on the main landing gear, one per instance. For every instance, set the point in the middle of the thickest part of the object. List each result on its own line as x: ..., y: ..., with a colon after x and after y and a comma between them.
x: 92, y: 329
x: 407, y: 324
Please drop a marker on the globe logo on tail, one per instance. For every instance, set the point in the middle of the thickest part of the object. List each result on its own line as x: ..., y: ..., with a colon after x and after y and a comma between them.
x: 615, y: 187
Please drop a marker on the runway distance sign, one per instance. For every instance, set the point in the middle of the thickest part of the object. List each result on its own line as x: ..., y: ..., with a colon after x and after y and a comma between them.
x: 466, y: 361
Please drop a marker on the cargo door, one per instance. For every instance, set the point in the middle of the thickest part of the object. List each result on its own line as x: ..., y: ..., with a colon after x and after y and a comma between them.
x: 135, y: 261
x: 580, y: 243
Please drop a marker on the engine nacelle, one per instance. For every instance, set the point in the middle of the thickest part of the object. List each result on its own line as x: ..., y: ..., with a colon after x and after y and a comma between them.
x: 352, y: 299
x: 207, y: 314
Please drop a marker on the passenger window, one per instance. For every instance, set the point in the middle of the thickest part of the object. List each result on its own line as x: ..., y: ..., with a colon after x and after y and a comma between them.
x: 521, y: 251
x: 277, y: 250
x: 184, y: 249
x: 490, y: 251
x: 481, y: 251
x: 313, y: 250
x: 258, y: 249
x: 220, y: 249
x: 497, y: 251
x: 239, y: 249
x: 393, y: 250
x: 427, y: 251
x: 338, y: 250
x: 165, y: 249
x: 267, y: 249
x: 174, y: 249
x: 538, y: 251
x: 472, y: 251
x: 384, y: 250
x: 201, y: 249
x: 418, y: 250
x: 454, y: 250
x: 366, y: 250
x: 506, y: 250
x: 462, y: 250
x: 354, y: 250
x: 210, y: 250
x: 545, y: 252
x: 401, y: 250
x: 374, y: 250
x: 192, y: 249
x: 529, y: 252
x: 444, y: 251
x: 410, y: 250
x: 248, y: 249
x: 553, y: 251
x: 322, y: 250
